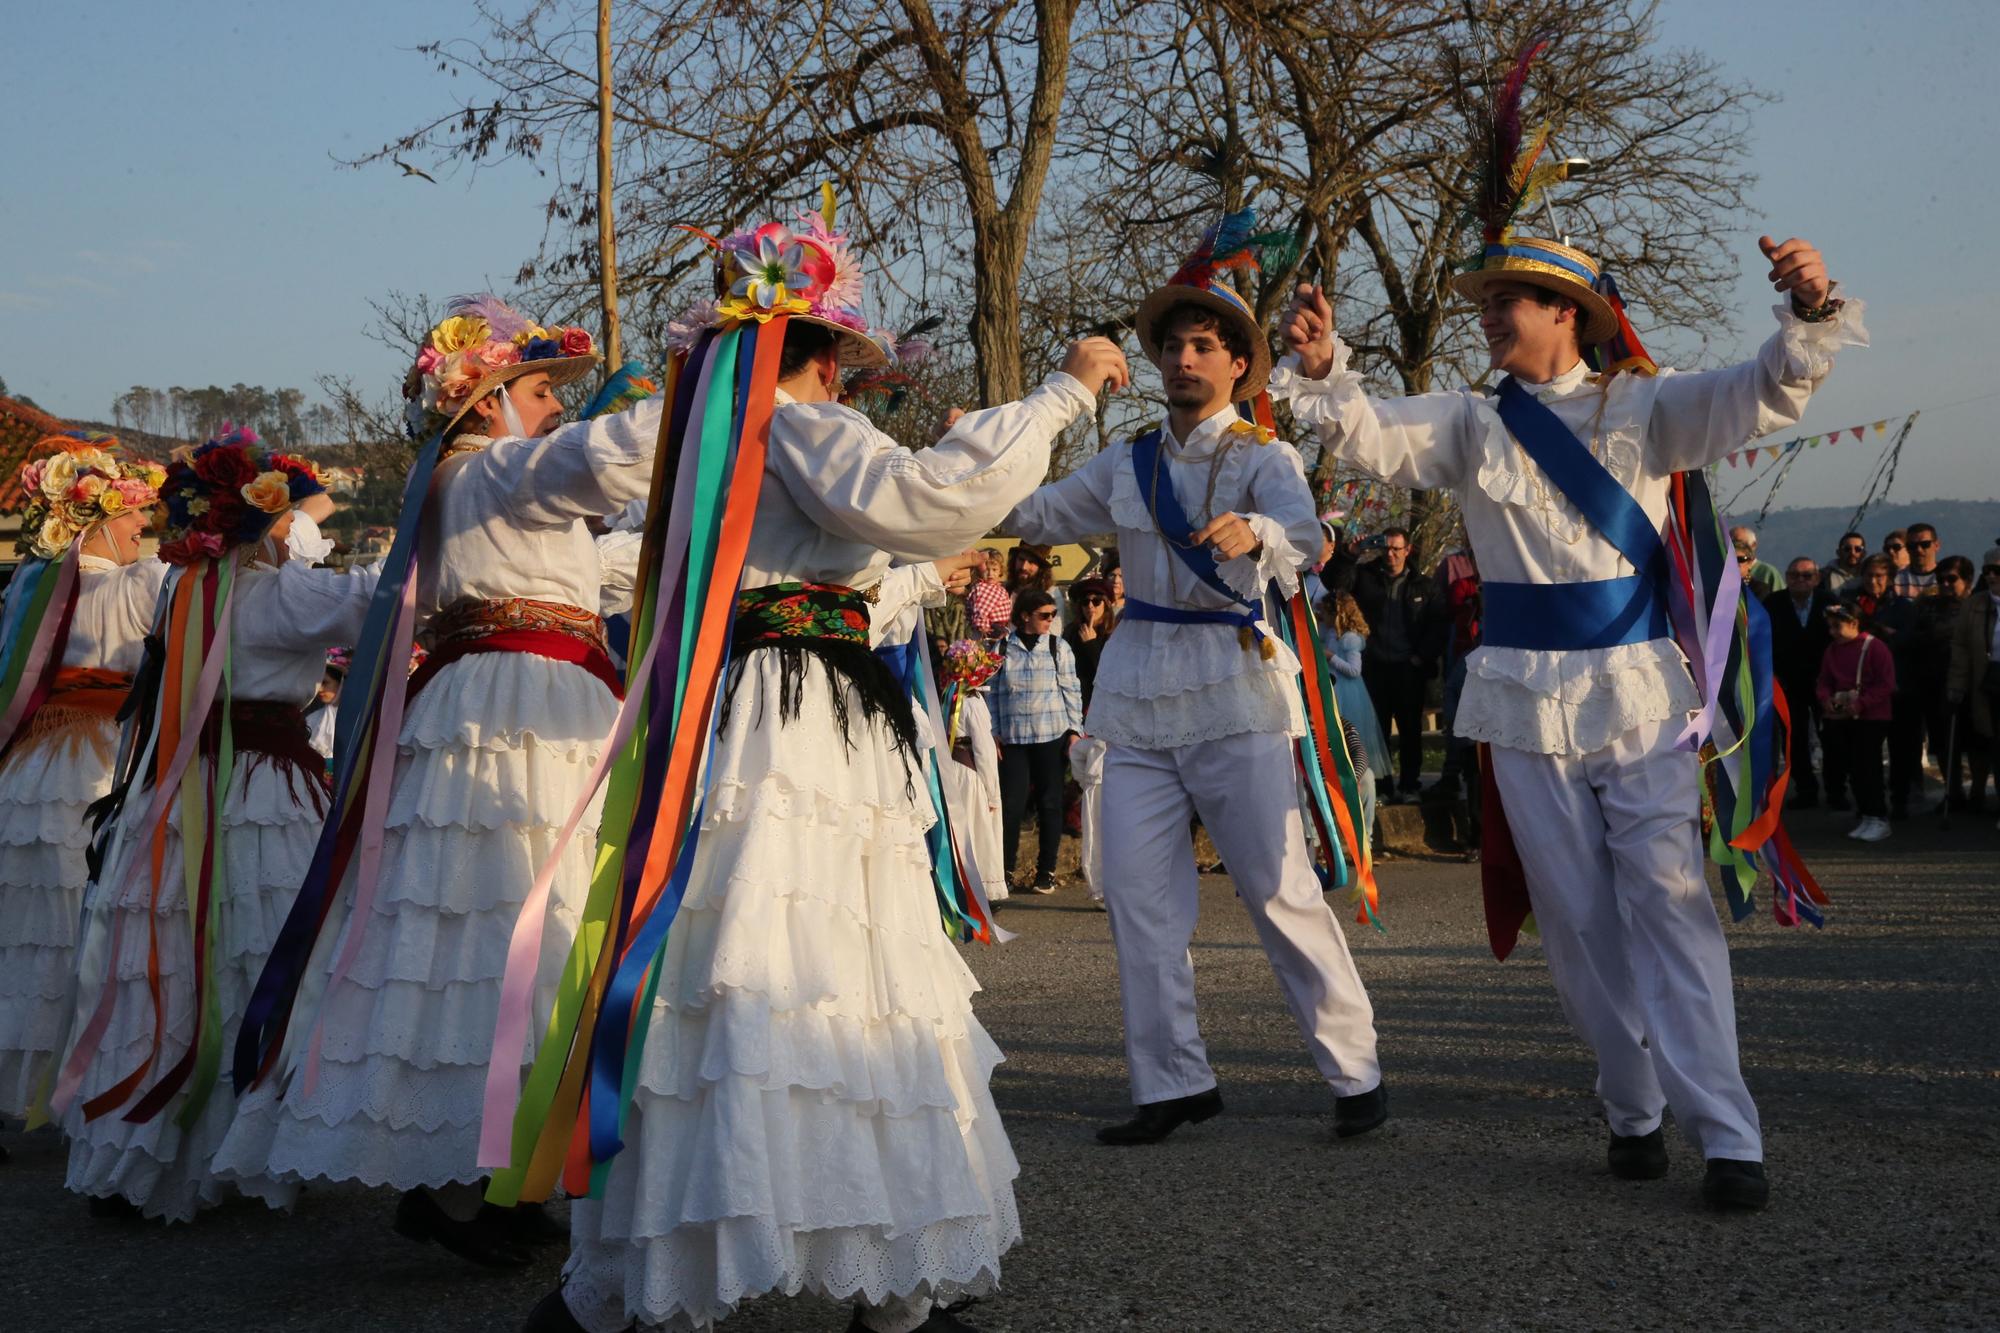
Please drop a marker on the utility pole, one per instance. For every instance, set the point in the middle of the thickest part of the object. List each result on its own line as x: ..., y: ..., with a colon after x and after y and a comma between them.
x: 607, y: 234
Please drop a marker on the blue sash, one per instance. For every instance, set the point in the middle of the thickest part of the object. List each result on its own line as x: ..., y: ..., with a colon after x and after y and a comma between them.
x: 1599, y: 614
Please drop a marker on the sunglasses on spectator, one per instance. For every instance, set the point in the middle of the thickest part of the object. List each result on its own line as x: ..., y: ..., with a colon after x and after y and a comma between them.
x: 1893, y: 546
x: 1803, y: 574
x: 1950, y: 578
x: 1041, y: 615
x: 1922, y: 545
x: 1851, y: 547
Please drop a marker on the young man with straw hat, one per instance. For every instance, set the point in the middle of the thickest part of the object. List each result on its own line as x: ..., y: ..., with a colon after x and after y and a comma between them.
x: 1578, y: 688
x: 1198, y: 706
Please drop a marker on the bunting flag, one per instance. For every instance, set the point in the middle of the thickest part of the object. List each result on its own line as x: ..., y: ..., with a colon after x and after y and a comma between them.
x: 1751, y: 454
x: 567, y: 1121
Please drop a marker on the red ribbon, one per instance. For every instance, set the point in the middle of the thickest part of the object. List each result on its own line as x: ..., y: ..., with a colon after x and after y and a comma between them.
x: 541, y: 642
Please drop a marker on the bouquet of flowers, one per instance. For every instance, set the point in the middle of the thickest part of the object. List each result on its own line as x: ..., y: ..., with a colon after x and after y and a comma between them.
x: 968, y: 664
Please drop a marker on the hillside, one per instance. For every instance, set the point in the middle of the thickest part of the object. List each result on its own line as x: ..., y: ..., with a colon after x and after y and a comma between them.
x: 1965, y: 527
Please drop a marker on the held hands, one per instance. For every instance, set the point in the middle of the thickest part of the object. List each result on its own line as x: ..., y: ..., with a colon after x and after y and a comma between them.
x: 1097, y: 363
x: 956, y: 570
x: 1308, y: 330
x: 1231, y: 536
x: 1797, y: 267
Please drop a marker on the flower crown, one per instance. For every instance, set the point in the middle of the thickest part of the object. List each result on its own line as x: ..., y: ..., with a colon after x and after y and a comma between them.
x: 771, y: 269
x: 481, y: 337
x: 227, y: 493
x: 970, y: 663
x: 78, y: 486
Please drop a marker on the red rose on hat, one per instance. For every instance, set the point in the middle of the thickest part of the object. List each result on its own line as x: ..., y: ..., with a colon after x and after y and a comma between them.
x: 225, y: 468
x: 575, y: 342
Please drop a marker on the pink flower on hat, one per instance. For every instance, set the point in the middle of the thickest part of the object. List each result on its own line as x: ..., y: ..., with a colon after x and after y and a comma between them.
x: 429, y: 358
x: 575, y: 342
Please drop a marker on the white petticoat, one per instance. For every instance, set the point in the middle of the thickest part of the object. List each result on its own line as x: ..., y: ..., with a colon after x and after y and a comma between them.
x: 45, y: 787
x: 813, y: 1111
x: 1575, y: 701
x: 493, y: 754
x: 271, y: 821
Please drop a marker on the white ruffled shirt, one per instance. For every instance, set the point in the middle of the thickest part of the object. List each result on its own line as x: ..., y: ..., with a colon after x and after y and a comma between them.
x: 1643, y: 429
x: 114, y: 609
x: 1160, y: 686
x: 284, y: 620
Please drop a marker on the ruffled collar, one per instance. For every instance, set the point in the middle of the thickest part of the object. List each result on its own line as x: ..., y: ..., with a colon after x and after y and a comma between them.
x: 1210, y: 433
x: 1562, y: 386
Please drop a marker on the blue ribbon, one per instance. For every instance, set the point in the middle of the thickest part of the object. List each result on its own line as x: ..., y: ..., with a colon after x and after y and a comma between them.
x: 1541, y: 256
x: 1575, y: 472
x: 1139, y: 609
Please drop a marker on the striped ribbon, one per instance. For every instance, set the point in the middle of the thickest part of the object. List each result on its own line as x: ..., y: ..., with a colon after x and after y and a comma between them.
x: 34, y: 627
x: 569, y: 1120
x: 1333, y: 788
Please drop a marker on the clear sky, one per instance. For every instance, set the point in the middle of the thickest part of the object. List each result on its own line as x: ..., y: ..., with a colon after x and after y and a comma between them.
x: 172, y: 213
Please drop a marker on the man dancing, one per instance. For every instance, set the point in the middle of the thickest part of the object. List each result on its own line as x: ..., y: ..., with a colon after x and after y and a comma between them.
x: 1577, y: 688
x: 1198, y: 709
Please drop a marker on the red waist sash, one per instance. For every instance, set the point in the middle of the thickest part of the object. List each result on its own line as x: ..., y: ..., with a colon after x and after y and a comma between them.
x: 553, y: 630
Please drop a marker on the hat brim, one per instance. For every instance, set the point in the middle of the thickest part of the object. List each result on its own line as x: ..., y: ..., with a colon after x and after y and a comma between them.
x: 1600, y: 321
x: 1254, y: 378
x: 561, y: 370
x: 858, y: 351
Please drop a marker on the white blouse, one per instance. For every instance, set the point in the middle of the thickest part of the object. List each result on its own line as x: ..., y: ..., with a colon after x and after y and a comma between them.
x: 114, y: 610
x: 841, y: 500
x: 284, y: 620
x: 1159, y: 686
x: 510, y: 519
x: 1643, y: 429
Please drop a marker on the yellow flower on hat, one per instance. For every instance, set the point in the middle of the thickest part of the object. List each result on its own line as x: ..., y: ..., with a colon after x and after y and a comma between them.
x: 460, y: 332
x: 112, y: 503
x: 269, y: 491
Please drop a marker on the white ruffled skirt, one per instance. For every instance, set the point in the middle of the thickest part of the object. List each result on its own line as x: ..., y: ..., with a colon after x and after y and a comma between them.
x: 813, y: 1111
x: 271, y: 820
x: 493, y: 754
x: 45, y: 788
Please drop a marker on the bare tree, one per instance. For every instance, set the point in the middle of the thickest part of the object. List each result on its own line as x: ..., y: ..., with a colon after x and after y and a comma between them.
x: 937, y: 127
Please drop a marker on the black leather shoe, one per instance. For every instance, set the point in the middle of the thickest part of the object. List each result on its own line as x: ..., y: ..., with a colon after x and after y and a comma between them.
x: 1638, y: 1156
x: 1735, y: 1184
x: 941, y: 1320
x: 485, y: 1243
x: 1361, y: 1112
x: 1153, y: 1121
x: 524, y: 1224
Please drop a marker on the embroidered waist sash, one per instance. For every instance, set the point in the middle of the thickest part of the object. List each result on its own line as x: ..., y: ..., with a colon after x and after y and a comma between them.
x: 554, y: 630
x: 778, y: 612
x: 830, y: 622
x: 1553, y: 616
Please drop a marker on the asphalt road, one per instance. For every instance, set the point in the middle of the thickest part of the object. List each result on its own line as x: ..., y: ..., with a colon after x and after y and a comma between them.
x: 1483, y: 1204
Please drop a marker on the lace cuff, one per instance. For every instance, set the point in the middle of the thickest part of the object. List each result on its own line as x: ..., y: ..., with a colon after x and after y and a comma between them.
x: 1810, y: 348
x: 1288, y: 382
x: 1249, y: 575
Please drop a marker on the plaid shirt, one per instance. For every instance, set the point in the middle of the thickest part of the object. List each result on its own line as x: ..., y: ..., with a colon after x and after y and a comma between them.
x: 992, y: 606
x: 1036, y: 696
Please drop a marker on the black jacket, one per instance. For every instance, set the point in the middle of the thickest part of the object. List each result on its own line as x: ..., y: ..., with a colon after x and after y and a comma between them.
x: 1371, y: 594
x: 1796, y: 649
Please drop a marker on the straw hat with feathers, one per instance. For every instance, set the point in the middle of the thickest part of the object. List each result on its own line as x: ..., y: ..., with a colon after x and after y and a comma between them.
x: 1230, y: 246
x: 1511, y: 178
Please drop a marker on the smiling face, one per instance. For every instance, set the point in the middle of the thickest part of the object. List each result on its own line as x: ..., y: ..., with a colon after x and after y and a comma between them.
x: 1195, y: 363
x: 1523, y: 335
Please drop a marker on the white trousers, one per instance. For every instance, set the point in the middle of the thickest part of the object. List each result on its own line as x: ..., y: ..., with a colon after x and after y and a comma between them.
x: 1086, y: 764
x: 1243, y: 788
x: 1610, y: 842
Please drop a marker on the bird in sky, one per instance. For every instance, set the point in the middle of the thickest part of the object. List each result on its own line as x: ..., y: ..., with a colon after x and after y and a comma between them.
x: 409, y: 170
